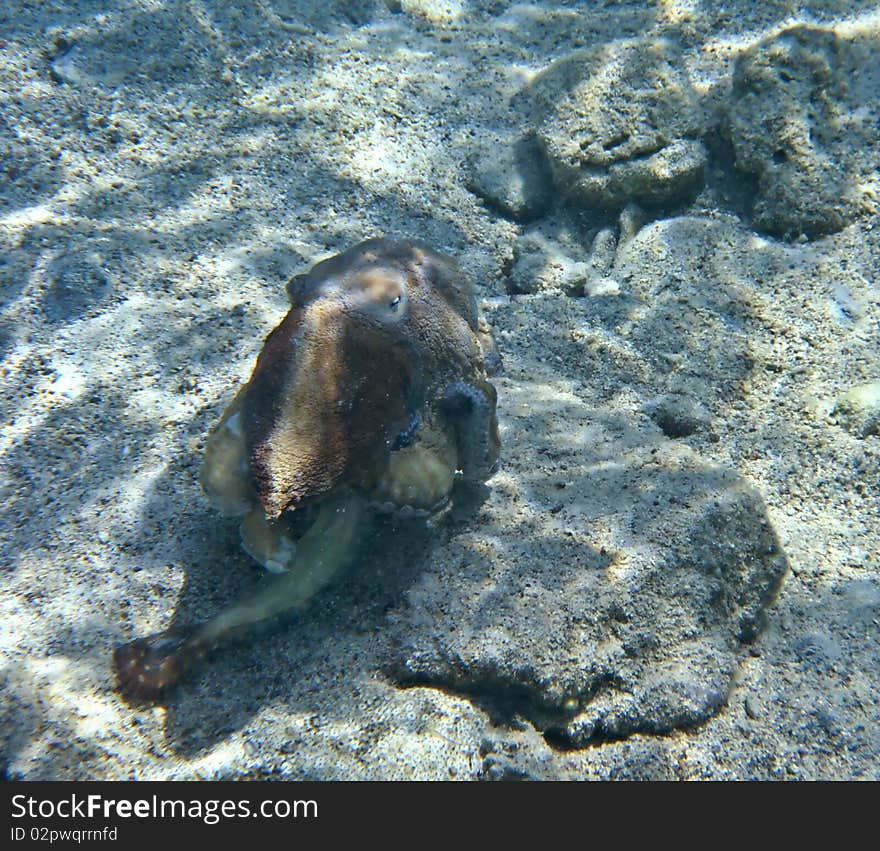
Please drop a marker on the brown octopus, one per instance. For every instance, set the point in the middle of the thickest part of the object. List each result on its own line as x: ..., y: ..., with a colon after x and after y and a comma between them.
x: 372, y: 395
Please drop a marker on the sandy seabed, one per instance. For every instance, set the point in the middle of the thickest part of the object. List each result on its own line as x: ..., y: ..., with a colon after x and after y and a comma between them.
x: 166, y: 165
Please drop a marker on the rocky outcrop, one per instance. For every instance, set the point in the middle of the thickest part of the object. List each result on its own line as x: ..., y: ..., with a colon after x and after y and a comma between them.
x: 802, y: 119
x: 644, y: 571
x: 620, y: 123
x: 510, y: 174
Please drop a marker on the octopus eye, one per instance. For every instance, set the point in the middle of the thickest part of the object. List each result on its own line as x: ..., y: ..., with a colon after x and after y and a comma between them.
x: 394, y: 303
x: 378, y: 293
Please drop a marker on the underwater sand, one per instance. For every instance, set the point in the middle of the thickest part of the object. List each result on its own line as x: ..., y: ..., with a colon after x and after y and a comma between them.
x: 165, y: 166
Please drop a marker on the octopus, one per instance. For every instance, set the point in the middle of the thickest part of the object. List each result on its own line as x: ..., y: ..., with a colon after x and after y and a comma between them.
x: 372, y: 396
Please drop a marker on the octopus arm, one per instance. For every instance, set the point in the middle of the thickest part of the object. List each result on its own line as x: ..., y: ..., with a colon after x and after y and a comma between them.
x: 147, y: 667
x: 469, y: 406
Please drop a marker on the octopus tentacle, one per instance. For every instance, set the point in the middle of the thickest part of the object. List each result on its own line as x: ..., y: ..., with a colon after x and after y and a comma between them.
x: 148, y: 667
x: 470, y: 407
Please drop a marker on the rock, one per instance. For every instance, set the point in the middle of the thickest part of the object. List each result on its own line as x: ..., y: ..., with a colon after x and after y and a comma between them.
x: 752, y: 707
x: 550, y: 258
x: 305, y: 15
x: 686, y: 271
x: 601, y: 286
x: 511, y: 175
x: 542, y: 263
x: 802, y: 121
x: 858, y: 411
x: 498, y: 768
x: 621, y: 123
x: 613, y: 577
x: 599, y: 281
x: 672, y: 176
x: 603, y: 252
x: 622, y: 612
x: 77, y: 284
x: 65, y: 68
x: 109, y: 61
x: 680, y: 416
x: 437, y: 12
x: 632, y: 218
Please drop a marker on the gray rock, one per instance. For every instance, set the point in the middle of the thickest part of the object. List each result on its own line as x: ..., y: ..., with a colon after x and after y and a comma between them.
x: 752, y: 707
x: 511, y: 175
x: 76, y: 284
x: 305, y: 15
x: 542, y: 263
x: 602, y: 255
x: 603, y: 252
x: 858, y: 410
x: 624, y: 610
x: 632, y: 218
x: 621, y: 123
x: 802, y: 120
x: 680, y: 416
x: 667, y: 178
x: 500, y: 768
x: 65, y: 68
x: 437, y: 12
x: 551, y: 258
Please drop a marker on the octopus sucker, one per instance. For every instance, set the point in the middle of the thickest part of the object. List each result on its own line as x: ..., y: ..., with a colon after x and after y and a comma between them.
x: 372, y: 395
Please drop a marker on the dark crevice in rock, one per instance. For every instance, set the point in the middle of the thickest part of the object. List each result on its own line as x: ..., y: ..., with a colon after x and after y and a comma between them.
x: 560, y: 739
x: 734, y: 188
x: 615, y: 142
